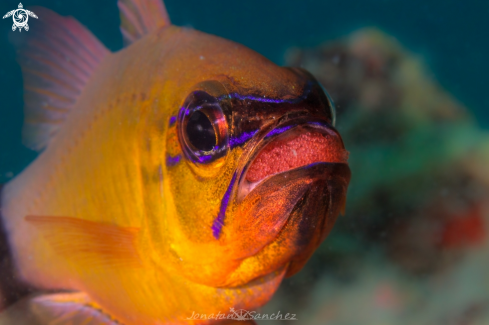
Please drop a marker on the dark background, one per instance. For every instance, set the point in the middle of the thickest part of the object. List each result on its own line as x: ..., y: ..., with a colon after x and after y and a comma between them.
x: 451, y: 37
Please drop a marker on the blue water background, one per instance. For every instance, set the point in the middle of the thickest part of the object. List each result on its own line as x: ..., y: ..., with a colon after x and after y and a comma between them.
x: 450, y: 35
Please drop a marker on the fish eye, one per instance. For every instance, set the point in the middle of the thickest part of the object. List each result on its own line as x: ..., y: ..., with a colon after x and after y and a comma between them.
x: 203, y: 128
x: 200, y: 132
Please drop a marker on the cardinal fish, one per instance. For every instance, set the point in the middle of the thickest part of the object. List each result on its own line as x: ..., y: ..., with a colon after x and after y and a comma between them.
x: 184, y: 174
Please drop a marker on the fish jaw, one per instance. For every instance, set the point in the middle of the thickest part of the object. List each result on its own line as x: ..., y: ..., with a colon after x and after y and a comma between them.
x: 286, y: 204
x: 296, y: 232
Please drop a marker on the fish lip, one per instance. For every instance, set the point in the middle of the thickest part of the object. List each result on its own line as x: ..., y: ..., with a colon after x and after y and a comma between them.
x: 245, y: 187
x: 276, y: 274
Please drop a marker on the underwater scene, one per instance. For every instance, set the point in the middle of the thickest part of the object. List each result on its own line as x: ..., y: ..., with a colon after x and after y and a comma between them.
x: 208, y: 162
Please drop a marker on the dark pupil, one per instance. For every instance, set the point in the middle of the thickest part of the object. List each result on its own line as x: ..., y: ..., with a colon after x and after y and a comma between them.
x: 200, y: 132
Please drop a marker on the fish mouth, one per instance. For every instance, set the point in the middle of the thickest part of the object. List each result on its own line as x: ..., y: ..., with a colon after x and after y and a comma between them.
x: 286, y: 206
x: 285, y: 218
x: 292, y: 145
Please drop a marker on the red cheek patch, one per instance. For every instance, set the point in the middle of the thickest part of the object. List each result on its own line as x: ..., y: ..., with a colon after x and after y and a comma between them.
x: 297, y: 150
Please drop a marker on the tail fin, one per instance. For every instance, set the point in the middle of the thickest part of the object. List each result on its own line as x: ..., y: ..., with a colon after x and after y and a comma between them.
x: 57, y: 56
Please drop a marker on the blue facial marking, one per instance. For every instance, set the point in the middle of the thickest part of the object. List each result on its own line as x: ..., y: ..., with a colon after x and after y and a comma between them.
x: 173, y: 119
x: 172, y: 161
x: 241, y: 139
x: 219, y: 221
x: 279, y: 131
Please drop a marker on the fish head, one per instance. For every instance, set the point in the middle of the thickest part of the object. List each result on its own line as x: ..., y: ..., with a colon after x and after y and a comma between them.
x: 191, y: 172
x: 255, y: 172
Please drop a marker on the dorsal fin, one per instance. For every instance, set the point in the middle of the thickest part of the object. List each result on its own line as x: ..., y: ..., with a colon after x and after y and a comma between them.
x: 57, y: 56
x: 141, y: 17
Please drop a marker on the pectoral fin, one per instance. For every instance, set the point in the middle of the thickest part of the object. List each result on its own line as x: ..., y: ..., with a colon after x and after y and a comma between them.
x: 89, y: 244
x: 59, y: 309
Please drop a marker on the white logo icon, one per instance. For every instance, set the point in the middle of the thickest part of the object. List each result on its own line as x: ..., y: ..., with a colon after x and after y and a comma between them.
x: 20, y: 17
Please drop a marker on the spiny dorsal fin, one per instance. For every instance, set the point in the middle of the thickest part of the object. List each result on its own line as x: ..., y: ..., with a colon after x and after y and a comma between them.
x: 141, y: 17
x: 88, y: 244
x: 57, y: 58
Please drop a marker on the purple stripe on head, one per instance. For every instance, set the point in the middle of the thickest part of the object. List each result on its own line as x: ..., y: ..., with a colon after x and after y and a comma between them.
x: 219, y: 221
x: 172, y: 161
x: 265, y: 99
x: 173, y: 119
x: 279, y: 131
x: 204, y: 158
x: 242, y: 138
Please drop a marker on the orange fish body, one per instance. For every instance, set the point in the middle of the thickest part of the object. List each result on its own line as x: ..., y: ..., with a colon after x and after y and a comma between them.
x: 155, y: 196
